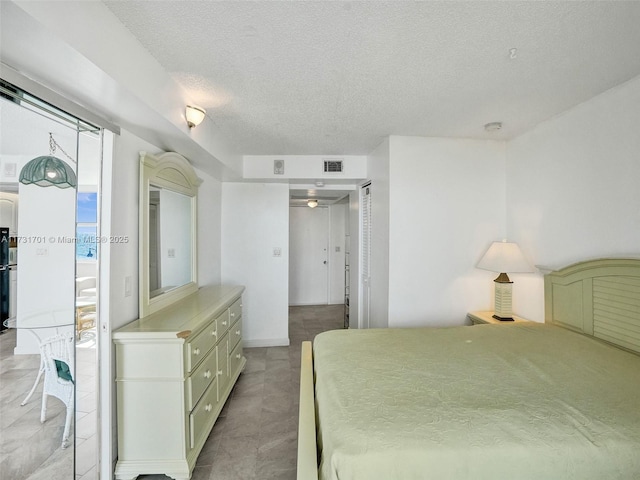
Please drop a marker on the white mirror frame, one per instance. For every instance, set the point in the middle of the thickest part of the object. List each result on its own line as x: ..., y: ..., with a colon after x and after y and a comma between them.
x: 174, y: 172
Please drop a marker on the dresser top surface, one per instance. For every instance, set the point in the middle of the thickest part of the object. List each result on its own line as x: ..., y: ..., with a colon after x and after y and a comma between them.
x: 183, y: 317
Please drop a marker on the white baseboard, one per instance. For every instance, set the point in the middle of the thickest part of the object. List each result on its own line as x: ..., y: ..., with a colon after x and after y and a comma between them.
x: 316, y: 304
x: 267, y: 342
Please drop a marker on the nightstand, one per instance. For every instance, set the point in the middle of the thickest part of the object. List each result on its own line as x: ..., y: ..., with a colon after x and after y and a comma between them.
x: 478, y: 318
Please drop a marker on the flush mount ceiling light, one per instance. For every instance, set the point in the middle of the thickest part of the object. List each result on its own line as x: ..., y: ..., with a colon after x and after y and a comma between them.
x: 312, y: 203
x: 47, y: 170
x: 493, y: 126
x: 194, y: 115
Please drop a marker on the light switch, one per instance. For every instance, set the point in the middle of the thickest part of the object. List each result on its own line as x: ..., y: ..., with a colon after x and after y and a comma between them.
x: 171, y: 253
x: 277, y: 252
x: 127, y: 286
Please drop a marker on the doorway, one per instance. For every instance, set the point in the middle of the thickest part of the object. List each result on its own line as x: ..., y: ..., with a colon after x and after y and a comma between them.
x: 318, y: 244
x: 308, y: 260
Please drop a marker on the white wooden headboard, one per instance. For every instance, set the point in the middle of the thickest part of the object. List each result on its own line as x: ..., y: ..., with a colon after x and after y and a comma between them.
x: 600, y: 298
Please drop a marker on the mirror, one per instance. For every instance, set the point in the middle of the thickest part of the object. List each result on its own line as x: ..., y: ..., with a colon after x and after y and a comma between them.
x: 168, y: 196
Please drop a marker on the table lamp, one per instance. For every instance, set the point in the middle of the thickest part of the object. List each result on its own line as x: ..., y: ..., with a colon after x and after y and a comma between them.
x: 504, y: 257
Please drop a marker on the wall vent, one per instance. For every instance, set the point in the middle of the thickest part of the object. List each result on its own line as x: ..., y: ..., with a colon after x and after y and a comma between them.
x: 332, y: 166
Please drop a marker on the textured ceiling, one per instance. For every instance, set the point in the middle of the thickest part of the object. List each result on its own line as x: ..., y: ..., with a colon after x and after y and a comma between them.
x: 337, y: 77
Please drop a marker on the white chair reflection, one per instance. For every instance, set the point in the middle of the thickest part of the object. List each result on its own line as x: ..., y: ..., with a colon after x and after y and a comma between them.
x: 58, y: 366
x: 85, y: 304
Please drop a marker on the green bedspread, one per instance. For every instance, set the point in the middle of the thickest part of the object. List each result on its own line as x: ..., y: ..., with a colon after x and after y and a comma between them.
x: 517, y: 401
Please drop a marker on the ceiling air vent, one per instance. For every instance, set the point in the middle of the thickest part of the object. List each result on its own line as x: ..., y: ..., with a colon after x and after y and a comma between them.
x: 332, y: 166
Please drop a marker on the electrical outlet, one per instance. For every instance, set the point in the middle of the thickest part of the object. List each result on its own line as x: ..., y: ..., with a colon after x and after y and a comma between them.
x: 277, y: 252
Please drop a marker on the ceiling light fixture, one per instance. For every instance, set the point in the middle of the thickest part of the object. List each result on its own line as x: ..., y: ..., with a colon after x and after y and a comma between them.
x: 312, y: 203
x: 194, y: 115
x: 493, y: 127
x: 48, y: 171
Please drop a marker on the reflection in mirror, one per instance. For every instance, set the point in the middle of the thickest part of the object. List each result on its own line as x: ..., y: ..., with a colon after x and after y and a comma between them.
x: 43, y: 358
x: 168, y: 196
x: 169, y: 240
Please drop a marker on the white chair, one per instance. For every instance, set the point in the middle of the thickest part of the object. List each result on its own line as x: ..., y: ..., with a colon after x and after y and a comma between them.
x: 58, y: 365
x: 85, y: 286
x: 85, y: 304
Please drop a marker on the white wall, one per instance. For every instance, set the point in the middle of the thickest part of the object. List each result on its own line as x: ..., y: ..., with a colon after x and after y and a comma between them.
x: 573, y: 189
x: 209, y: 229
x: 446, y: 206
x: 46, y: 268
x: 255, y: 220
x: 124, y: 222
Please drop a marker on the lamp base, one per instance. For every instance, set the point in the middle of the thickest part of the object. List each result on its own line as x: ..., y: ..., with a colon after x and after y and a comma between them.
x: 503, y: 319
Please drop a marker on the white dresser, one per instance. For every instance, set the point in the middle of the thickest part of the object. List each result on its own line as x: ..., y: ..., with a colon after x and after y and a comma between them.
x: 174, y: 371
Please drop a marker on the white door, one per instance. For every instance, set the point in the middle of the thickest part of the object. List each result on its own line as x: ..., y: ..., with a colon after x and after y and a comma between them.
x: 365, y: 252
x: 308, y: 244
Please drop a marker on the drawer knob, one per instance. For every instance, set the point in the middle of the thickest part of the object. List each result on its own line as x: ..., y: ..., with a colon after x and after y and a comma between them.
x: 196, y: 351
x: 237, y: 332
x: 224, y: 322
x: 238, y: 356
x: 214, y: 333
x: 233, y: 314
x: 208, y: 407
x: 219, y: 372
x: 207, y: 374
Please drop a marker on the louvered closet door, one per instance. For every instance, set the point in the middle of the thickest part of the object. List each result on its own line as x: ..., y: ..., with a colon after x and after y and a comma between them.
x: 365, y: 261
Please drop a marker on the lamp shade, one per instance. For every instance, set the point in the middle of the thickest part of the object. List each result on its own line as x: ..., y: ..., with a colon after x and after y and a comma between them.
x: 194, y: 115
x: 504, y: 257
x: 47, y: 171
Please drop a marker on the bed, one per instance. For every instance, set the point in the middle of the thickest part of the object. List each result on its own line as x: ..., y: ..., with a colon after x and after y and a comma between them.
x: 559, y: 400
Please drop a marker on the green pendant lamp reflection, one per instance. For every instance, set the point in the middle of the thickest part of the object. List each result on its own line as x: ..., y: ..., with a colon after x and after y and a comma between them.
x: 47, y: 170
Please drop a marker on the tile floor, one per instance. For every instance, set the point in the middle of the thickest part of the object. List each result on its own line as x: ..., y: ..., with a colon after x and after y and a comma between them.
x: 255, y: 436
x: 30, y: 449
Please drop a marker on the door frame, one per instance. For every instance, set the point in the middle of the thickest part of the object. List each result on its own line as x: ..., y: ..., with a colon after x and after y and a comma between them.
x: 327, y: 238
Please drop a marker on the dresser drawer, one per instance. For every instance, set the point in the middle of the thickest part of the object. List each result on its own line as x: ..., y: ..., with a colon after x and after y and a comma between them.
x: 205, y: 413
x: 198, y: 347
x: 235, y: 359
x: 235, y: 334
x: 223, y: 365
x: 235, y: 311
x: 223, y: 321
x: 201, y: 378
